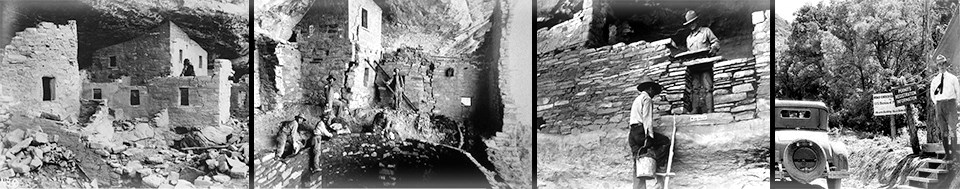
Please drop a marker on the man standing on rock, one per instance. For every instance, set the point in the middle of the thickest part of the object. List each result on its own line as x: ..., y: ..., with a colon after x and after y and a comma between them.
x: 700, y: 37
x: 396, y: 83
x: 944, y: 90
x: 643, y: 141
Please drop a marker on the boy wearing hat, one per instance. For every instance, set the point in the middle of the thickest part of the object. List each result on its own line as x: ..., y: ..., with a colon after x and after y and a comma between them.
x: 700, y: 37
x: 944, y: 90
x: 643, y: 141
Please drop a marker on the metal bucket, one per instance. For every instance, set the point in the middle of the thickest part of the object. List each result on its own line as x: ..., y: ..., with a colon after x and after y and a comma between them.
x: 645, y: 167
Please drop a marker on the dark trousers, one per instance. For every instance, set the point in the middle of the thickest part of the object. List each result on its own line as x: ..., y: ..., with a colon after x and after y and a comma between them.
x: 641, y: 145
x: 947, y: 118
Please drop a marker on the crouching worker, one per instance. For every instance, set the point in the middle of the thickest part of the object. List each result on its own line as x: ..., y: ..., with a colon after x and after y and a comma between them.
x: 648, y: 149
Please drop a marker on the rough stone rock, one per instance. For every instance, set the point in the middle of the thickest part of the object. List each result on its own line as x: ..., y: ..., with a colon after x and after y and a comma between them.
x: 212, y: 163
x: 7, y: 173
x: 153, y: 181
x: 216, y: 135
x: 145, y: 171
x: 41, y: 138
x: 102, y: 152
x: 173, y: 177
x: 133, y: 166
x: 154, y: 159
x: 35, y: 163
x: 239, y: 171
x: 118, y: 148
x: 203, y: 182
x: 165, y: 186
x: 20, y: 145
x: 221, y: 178
x: 19, y: 167
x: 184, y: 184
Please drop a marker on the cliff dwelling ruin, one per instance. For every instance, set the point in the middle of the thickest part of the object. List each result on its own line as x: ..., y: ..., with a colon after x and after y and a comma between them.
x: 414, y: 92
x: 117, y: 94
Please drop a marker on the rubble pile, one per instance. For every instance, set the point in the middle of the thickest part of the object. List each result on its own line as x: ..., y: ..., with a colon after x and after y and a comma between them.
x: 26, y: 151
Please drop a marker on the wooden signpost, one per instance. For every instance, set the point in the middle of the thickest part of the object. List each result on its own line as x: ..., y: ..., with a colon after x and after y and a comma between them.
x: 906, y: 96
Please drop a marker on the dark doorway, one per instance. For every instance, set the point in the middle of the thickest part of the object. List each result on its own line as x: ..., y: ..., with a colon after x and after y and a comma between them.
x: 49, y: 88
x: 97, y: 94
x: 184, y: 96
x: 699, y: 92
x: 134, y: 97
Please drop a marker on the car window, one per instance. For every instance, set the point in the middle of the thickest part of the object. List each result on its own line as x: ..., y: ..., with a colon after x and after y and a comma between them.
x: 800, y: 118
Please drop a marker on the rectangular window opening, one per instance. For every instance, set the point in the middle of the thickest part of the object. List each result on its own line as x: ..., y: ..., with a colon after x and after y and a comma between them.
x: 363, y: 15
x: 97, y: 94
x: 366, y: 76
x: 113, y: 61
x: 202, y: 62
x: 184, y: 96
x: 134, y: 97
x: 49, y: 88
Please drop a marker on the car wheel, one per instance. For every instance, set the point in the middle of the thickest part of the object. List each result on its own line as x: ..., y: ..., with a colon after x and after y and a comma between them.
x: 833, y: 183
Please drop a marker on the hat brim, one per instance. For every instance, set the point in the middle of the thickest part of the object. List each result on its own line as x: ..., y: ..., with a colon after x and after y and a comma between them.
x: 655, y: 88
x: 690, y: 21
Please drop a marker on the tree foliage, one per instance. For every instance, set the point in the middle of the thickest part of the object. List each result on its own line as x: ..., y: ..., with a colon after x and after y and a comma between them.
x: 843, y: 51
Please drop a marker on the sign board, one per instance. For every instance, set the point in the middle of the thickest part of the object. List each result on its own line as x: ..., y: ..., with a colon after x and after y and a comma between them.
x: 883, y: 105
x: 907, y: 94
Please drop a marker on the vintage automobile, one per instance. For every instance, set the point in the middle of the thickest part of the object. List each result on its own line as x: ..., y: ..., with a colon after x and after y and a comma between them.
x: 803, y: 150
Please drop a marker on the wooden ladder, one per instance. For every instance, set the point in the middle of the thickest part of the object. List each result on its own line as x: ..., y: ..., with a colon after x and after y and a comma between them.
x: 931, y: 170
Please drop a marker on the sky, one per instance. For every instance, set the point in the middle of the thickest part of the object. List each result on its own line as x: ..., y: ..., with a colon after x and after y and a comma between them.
x: 786, y: 8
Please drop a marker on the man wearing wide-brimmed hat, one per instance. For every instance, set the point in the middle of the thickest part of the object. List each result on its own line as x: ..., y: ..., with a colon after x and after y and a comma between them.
x: 643, y: 141
x: 944, y: 90
x: 700, y: 37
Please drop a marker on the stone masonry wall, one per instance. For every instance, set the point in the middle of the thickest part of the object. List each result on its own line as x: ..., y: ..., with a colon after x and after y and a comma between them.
x: 116, y: 95
x: 142, y: 58
x: 447, y: 90
x: 48, y: 50
x: 210, y: 97
x: 325, y: 48
x: 192, y: 51
x: 510, y: 150
x: 762, y: 21
x: 589, y: 89
x: 368, y: 47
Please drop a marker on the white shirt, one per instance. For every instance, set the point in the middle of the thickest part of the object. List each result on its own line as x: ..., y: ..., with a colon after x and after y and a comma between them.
x: 642, y: 112
x: 950, y: 90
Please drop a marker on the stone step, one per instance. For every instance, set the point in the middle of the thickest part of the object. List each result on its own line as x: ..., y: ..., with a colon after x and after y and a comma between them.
x: 907, y: 187
x: 922, y: 179
x: 940, y: 161
x: 933, y: 171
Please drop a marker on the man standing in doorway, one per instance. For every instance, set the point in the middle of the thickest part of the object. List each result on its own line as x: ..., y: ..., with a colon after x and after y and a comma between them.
x: 700, y: 37
x: 643, y: 141
x: 944, y: 90
x: 187, y: 68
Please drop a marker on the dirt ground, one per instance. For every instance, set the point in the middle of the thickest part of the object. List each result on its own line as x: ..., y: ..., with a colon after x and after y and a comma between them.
x: 600, y: 159
x: 873, y: 158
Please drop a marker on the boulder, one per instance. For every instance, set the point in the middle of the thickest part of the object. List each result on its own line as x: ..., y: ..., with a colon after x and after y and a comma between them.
x: 203, y: 182
x: 221, y: 178
x: 165, y: 186
x: 7, y: 173
x: 153, y: 181
x: 154, y: 159
x: 173, y: 177
x: 184, y: 184
x: 215, y: 135
x: 41, y: 138
x: 19, y: 167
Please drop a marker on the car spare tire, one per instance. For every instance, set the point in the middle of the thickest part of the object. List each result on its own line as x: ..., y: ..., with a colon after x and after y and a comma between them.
x: 804, y: 160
